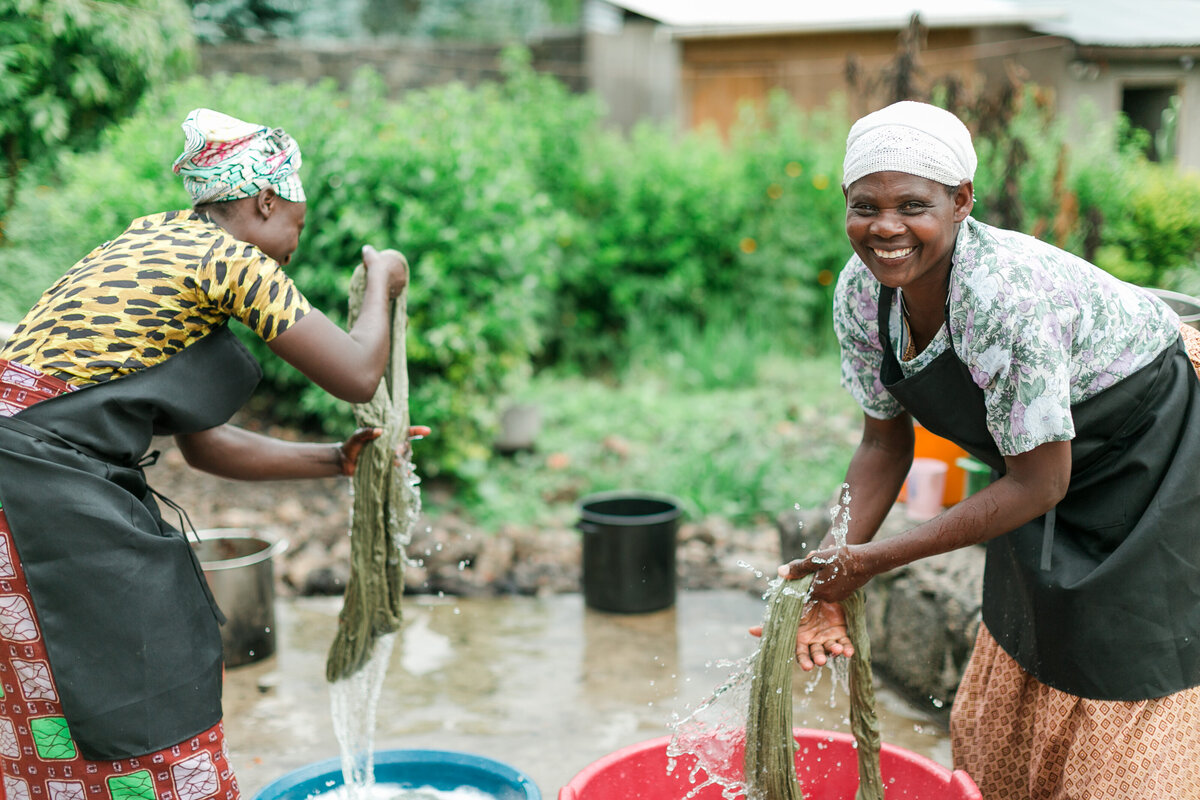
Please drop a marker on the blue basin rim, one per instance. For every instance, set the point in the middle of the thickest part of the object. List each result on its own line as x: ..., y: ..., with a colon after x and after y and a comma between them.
x: 441, y: 769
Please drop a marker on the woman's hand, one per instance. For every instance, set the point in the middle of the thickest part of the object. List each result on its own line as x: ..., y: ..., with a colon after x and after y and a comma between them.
x: 822, y: 633
x: 837, y: 571
x: 352, y: 447
x: 392, y: 263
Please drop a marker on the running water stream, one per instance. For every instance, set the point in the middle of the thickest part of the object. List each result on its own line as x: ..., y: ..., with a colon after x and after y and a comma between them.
x: 354, y: 700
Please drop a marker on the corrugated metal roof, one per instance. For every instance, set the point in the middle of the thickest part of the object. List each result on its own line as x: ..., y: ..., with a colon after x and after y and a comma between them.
x: 1113, y: 23
x: 1123, y: 23
x: 699, y: 18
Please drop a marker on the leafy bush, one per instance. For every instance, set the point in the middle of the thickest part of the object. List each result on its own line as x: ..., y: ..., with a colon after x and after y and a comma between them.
x: 1157, y: 233
x: 428, y: 176
x: 1098, y: 197
x: 537, y: 238
x: 674, y: 227
x: 69, y: 67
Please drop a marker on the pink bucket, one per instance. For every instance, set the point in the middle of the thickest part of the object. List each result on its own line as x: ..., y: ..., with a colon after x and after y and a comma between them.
x: 827, y: 771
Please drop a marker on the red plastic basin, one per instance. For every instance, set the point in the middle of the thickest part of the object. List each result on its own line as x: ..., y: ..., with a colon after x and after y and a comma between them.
x: 827, y: 771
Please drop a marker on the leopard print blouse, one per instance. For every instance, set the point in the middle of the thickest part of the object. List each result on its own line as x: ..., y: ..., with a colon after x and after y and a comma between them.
x: 135, y: 301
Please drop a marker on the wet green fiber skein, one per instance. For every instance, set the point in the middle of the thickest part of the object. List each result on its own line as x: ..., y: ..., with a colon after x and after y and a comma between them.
x: 385, y: 505
x: 770, y: 758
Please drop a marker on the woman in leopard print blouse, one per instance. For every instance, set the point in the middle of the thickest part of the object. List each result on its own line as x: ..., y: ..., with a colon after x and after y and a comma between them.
x: 110, y: 660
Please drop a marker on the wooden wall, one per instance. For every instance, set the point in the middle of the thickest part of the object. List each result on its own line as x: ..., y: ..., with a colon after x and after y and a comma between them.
x: 718, y: 74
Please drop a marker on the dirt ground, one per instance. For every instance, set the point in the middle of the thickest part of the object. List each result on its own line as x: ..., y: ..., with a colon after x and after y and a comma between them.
x: 448, y: 554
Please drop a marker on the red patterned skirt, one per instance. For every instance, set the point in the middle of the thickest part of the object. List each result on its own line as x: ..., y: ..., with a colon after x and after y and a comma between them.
x: 39, y: 759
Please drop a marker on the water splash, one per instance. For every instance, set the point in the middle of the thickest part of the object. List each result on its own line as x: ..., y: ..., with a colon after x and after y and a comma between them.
x: 712, y: 738
x: 715, y: 735
x: 841, y: 517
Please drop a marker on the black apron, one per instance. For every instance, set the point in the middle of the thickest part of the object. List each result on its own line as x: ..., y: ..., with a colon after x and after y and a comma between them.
x: 1100, y: 597
x: 129, y: 623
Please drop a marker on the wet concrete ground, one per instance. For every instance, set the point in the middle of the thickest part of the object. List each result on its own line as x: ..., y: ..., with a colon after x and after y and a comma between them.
x: 545, y: 685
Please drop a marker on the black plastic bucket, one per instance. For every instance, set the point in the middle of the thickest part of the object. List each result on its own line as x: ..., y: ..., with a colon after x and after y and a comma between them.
x: 628, y: 550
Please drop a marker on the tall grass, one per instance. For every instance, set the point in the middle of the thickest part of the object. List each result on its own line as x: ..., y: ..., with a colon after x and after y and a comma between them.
x: 771, y: 431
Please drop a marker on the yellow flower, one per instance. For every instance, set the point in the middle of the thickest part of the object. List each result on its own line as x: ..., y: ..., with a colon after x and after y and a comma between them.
x: 825, y: 277
x: 793, y: 169
x: 748, y: 245
x: 820, y: 182
x: 774, y: 191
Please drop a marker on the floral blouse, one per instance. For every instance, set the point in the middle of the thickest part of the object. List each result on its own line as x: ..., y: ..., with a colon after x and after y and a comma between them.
x: 1038, y: 328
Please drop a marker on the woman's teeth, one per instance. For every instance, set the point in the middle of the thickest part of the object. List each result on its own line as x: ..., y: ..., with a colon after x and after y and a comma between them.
x: 892, y: 253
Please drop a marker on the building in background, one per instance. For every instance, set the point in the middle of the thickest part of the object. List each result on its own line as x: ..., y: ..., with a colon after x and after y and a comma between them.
x: 695, y: 62
x: 692, y: 62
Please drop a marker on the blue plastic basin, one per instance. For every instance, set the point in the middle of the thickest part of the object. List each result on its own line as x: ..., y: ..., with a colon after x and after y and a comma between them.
x: 442, y: 769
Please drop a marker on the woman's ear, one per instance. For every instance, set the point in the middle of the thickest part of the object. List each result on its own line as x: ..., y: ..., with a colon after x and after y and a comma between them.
x: 964, y: 200
x: 266, y: 202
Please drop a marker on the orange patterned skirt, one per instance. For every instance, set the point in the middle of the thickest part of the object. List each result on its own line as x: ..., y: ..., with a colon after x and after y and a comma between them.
x: 1022, y: 740
x: 1191, y: 342
x: 38, y: 758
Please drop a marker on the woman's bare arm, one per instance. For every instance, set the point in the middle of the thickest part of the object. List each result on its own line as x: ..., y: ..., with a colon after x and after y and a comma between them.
x: 349, y: 365
x: 1032, y: 485
x: 231, y: 452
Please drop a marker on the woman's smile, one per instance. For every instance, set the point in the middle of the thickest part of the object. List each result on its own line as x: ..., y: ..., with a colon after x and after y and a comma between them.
x: 890, y: 255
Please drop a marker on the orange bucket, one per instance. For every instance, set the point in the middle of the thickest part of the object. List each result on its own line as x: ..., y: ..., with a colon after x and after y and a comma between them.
x: 929, y: 445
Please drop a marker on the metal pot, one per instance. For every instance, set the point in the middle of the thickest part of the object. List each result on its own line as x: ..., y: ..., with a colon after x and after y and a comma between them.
x: 1186, y: 306
x: 240, y: 573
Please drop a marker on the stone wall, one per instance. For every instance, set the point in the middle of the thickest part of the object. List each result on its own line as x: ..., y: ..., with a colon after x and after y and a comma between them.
x: 403, y: 64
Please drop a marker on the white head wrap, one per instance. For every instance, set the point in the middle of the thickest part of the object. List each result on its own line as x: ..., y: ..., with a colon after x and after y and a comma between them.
x: 914, y: 138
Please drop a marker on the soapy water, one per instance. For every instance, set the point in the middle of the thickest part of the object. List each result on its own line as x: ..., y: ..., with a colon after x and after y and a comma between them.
x: 396, y: 791
x: 712, y: 738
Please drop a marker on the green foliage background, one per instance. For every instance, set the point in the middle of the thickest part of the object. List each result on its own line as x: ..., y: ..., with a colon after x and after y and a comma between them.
x: 540, y: 241
x: 70, y: 67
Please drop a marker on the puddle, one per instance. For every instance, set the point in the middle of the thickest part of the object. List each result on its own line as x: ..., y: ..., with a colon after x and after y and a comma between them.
x: 545, y: 685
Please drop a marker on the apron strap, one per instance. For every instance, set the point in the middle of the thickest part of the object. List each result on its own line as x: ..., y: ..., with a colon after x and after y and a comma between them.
x: 1048, y: 539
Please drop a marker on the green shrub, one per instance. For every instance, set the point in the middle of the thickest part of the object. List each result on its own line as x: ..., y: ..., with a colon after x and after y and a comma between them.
x: 1098, y: 196
x: 1158, y: 231
x: 538, y: 238
x: 674, y: 226
x: 428, y: 176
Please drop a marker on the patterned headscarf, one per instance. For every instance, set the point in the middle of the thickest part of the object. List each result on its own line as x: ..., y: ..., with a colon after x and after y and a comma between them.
x: 914, y: 138
x: 226, y: 159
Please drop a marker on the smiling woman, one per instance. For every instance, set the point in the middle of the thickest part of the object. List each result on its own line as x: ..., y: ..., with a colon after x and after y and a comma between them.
x: 1077, y: 390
